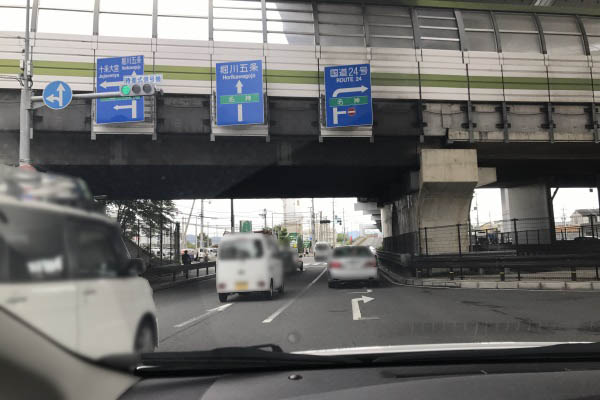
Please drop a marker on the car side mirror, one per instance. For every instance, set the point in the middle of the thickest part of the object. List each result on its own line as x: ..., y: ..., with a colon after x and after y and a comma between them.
x: 136, y: 266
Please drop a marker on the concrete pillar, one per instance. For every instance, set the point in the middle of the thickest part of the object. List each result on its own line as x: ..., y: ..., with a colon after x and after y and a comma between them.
x: 386, y: 220
x: 441, y: 201
x: 531, y: 206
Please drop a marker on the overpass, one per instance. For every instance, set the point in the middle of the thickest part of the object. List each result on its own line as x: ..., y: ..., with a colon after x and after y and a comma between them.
x: 465, y: 95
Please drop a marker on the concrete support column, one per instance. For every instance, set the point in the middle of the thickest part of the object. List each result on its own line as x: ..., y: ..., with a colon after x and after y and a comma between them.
x: 427, y: 218
x: 531, y: 207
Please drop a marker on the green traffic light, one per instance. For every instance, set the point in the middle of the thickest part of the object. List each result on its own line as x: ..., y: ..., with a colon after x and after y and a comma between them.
x: 125, y: 90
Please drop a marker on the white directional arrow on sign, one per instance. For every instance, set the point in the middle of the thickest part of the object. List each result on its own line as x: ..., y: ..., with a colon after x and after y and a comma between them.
x: 133, y: 107
x: 60, y: 89
x: 107, y: 84
x: 356, y: 315
x: 206, y: 314
x: 239, y: 87
x: 361, y: 89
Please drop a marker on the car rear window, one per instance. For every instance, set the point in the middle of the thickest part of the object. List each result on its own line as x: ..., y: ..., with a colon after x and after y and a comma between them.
x: 321, y: 247
x: 352, y: 251
x: 241, y: 249
x: 32, y: 245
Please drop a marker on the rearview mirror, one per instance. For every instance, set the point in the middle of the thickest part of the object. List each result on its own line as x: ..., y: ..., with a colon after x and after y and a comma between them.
x: 136, y: 266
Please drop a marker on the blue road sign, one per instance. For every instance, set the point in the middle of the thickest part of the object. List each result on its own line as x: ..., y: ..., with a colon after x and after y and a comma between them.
x: 348, y: 95
x: 240, y: 93
x: 110, y: 73
x: 57, y: 95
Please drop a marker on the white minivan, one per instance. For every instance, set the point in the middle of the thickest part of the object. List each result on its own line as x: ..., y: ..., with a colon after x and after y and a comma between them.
x: 249, y: 263
x: 67, y: 272
x: 322, y: 251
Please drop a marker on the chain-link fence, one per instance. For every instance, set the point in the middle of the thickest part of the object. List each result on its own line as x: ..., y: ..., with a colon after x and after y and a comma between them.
x: 158, y: 245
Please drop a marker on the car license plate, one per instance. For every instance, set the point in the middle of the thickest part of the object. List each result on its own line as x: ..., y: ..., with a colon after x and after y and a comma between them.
x: 241, y: 286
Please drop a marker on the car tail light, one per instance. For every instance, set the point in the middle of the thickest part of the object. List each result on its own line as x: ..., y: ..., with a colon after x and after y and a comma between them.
x: 222, y: 286
x: 261, y: 283
x: 335, y: 264
x: 371, y: 263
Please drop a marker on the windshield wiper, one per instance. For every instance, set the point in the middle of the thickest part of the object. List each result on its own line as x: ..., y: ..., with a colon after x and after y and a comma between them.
x: 235, y: 359
x: 552, y: 353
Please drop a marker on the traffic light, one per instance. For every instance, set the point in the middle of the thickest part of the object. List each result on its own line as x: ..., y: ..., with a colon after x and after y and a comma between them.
x: 137, y: 89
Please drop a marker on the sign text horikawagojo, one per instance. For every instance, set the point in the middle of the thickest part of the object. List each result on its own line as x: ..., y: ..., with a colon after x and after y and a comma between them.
x: 239, y: 94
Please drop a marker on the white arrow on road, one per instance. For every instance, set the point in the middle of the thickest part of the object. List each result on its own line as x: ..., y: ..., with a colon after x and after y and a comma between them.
x: 239, y: 87
x: 206, y: 314
x: 361, y: 89
x: 356, y: 315
x: 133, y: 107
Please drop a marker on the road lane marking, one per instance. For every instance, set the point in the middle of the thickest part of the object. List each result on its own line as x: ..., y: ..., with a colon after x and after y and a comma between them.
x: 356, y: 315
x: 206, y: 314
x: 289, y: 303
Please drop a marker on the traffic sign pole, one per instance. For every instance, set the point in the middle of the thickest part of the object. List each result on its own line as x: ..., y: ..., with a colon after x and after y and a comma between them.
x: 25, y: 107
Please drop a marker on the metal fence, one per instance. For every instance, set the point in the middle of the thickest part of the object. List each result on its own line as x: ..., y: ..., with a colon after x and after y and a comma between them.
x: 507, y: 235
x: 160, y: 244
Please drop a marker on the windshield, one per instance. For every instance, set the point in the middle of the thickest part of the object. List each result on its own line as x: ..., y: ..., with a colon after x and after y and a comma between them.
x: 241, y: 249
x: 307, y: 174
x: 355, y: 251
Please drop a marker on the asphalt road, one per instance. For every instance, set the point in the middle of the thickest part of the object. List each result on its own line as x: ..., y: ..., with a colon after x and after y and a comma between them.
x: 312, y: 316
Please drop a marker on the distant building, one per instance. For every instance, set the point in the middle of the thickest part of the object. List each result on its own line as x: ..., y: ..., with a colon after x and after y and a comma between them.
x: 581, y: 216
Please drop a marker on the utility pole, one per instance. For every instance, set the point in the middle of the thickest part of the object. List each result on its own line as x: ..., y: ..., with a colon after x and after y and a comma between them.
x: 333, y: 220
x: 186, y: 225
x: 202, y: 245
x: 25, y: 108
x: 320, y: 225
x: 264, y: 215
x: 477, y: 209
x: 344, y: 222
x: 232, y: 218
x: 312, y: 222
x: 196, y: 234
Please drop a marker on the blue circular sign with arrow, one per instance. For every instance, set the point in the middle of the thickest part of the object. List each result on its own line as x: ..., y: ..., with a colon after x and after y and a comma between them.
x: 57, y: 95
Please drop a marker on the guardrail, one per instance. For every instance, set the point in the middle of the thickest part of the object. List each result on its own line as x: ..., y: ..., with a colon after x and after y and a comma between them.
x: 175, y: 269
x: 505, y: 266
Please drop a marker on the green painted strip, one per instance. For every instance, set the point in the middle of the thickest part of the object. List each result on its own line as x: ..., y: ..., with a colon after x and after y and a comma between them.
x: 64, y: 64
x: 184, y: 69
x: 239, y: 98
x: 9, y: 70
x: 63, y: 72
x: 184, y: 76
x: 283, y: 72
x: 291, y: 79
x: 9, y: 63
x: 348, y: 101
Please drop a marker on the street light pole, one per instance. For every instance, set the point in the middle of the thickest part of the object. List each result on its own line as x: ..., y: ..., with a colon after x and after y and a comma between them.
x: 333, y: 220
x: 232, y: 218
x: 25, y: 108
x: 202, y: 245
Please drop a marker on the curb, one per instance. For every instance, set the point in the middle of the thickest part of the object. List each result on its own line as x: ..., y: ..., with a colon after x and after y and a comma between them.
x: 487, y: 285
x: 168, y: 285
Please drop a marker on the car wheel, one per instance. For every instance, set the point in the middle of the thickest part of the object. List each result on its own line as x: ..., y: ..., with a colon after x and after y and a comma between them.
x: 269, y: 293
x: 223, y: 297
x: 144, y: 338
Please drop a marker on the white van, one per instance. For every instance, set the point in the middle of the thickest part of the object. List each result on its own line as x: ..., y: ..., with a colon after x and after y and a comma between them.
x: 247, y: 263
x: 67, y: 272
x: 322, y: 251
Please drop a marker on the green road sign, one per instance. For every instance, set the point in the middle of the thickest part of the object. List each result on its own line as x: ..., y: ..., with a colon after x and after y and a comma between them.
x: 348, y: 101
x: 245, y: 226
x: 240, y: 98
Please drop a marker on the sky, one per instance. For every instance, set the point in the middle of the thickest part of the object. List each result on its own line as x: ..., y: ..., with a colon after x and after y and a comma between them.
x: 217, y: 213
x: 565, y: 202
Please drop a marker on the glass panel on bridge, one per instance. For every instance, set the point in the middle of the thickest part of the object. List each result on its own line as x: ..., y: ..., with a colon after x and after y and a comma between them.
x: 438, y: 29
x: 592, y: 25
x: 562, y: 34
x: 564, y: 44
x: 129, y: 6
x: 182, y: 28
x: 479, y: 31
x: 389, y: 26
x: 341, y: 25
x: 12, y: 19
x: 237, y: 21
x: 518, y: 32
x: 197, y: 8
x: 125, y: 25
x: 83, y: 5
x: 80, y: 22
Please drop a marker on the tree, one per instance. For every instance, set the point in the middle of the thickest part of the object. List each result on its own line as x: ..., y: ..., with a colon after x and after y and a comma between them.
x: 282, y: 234
x: 153, y: 213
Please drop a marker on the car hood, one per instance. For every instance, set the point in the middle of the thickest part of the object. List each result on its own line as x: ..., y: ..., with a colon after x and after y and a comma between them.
x: 412, y: 348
